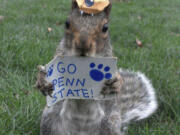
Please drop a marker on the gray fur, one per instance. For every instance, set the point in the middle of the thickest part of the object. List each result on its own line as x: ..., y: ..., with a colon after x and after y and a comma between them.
x: 134, y: 99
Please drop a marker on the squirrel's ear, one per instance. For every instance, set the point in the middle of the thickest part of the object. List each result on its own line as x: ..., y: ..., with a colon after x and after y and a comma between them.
x: 107, y: 10
x: 74, y: 4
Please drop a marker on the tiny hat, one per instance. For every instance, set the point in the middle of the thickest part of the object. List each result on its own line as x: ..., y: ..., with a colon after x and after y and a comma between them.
x: 92, y: 6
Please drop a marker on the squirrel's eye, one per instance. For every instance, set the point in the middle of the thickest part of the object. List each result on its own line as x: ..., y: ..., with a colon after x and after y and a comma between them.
x: 105, y: 28
x: 67, y: 24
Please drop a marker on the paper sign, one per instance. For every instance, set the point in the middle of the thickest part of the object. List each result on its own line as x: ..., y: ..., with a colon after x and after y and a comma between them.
x: 78, y: 77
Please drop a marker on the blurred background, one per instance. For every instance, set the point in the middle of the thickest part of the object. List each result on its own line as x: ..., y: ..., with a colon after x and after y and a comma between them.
x: 145, y: 35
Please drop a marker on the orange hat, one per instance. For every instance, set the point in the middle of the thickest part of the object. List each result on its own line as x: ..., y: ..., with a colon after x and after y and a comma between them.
x: 92, y: 6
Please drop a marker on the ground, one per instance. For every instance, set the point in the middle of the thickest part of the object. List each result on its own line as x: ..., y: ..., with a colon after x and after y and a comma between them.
x: 30, y: 30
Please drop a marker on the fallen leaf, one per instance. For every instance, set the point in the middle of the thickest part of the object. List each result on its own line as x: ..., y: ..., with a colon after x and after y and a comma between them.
x: 49, y: 29
x: 139, y: 43
x: 26, y: 92
x: 139, y: 17
x: 44, y: 6
x: 58, y: 23
x: 1, y: 18
x: 16, y: 95
x: 176, y: 34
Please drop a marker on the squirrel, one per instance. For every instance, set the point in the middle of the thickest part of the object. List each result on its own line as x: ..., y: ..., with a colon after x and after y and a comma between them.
x: 133, y: 94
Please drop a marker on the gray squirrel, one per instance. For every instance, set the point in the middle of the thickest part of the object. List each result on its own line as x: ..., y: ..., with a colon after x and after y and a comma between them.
x: 133, y: 95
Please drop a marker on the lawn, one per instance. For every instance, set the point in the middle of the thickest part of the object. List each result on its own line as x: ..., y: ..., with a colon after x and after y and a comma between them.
x: 26, y: 42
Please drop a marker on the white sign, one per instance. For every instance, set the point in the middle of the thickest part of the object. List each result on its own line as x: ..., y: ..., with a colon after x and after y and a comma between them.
x: 78, y: 77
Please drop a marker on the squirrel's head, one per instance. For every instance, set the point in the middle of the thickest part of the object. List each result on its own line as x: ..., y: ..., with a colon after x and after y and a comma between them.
x: 86, y: 34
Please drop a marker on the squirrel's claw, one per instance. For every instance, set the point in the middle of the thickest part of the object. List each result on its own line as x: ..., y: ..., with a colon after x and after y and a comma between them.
x: 41, y: 69
x: 45, y: 87
x: 112, y: 86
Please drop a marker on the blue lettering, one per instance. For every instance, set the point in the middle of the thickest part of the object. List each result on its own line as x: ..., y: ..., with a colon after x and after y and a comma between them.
x: 70, y: 82
x: 60, y: 82
x: 70, y: 92
x: 54, y: 97
x: 71, y: 68
x: 85, y: 93
x: 77, y: 92
x: 60, y: 92
x: 60, y: 70
x: 80, y: 82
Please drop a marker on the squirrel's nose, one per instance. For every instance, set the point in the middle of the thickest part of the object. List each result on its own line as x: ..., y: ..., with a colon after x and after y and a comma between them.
x: 83, y: 47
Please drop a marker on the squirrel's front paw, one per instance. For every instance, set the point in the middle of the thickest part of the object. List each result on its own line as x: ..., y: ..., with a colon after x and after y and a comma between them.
x: 112, y: 86
x: 45, y: 87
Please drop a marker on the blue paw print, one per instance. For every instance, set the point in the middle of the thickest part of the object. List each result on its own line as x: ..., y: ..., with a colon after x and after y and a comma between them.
x: 50, y: 71
x: 97, y: 74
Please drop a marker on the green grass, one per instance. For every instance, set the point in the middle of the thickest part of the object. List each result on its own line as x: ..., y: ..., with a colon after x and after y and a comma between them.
x: 25, y: 43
